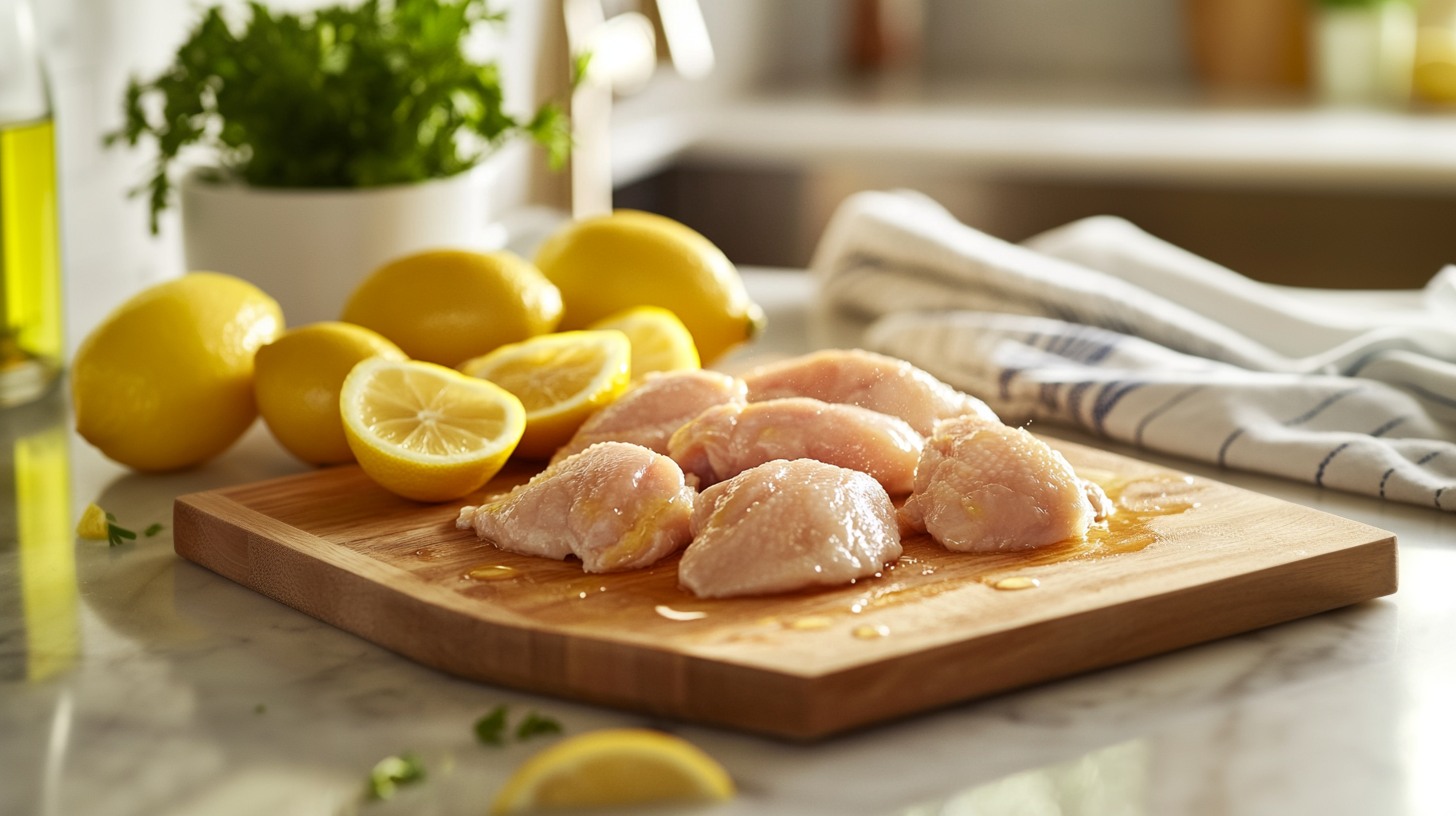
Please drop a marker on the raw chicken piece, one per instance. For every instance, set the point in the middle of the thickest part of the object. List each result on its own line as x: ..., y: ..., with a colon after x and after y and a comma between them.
x: 785, y: 526
x: 615, y: 506
x: 982, y: 486
x: 649, y: 413
x: 726, y: 440
x: 868, y: 380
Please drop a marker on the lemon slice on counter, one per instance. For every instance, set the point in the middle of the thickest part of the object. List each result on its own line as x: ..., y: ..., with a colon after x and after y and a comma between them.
x: 660, y: 342
x: 560, y: 378
x: 614, y: 767
x: 426, y: 432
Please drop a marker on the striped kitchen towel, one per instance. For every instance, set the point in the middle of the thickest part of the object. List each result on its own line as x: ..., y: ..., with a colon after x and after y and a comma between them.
x: 1100, y: 325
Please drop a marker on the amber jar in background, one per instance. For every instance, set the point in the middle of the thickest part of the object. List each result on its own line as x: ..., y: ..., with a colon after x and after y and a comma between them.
x: 1250, y: 44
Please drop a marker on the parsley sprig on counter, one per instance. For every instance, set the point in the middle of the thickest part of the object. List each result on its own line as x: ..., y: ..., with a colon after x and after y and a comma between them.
x: 491, y: 728
x: 351, y: 95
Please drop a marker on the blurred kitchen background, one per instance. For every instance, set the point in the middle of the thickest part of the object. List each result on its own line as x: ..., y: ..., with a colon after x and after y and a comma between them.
x: 1295, y: 141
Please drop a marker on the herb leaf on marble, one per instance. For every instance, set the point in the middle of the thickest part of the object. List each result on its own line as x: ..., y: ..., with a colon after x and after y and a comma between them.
x: 392, y: 772
x: 536, y: 725
x: 490, y: 729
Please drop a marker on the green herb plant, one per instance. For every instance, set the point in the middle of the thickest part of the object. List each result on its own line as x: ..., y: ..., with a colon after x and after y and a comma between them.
x: 357, y: 95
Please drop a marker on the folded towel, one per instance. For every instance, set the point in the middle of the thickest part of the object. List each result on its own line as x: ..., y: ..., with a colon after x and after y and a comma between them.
x: 1101, y: 325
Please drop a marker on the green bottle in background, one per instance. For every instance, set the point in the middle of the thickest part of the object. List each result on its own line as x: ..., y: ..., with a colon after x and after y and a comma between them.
x: 30, y: 265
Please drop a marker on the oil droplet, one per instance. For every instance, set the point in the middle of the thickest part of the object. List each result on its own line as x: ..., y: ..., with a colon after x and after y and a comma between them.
x: 581, y: 595
x: 811, y: 623
x: 1017, y: 582
x: 868, y: 632
x: 489, y: 572
x: 679, y: 614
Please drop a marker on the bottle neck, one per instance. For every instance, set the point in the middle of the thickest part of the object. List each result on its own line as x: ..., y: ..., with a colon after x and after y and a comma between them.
x: 23, y: 95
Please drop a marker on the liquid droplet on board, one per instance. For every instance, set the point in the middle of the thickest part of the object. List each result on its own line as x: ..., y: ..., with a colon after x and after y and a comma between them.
x: 1017, y: 582
x: 868, y: 632
x: 490, y: 572
x: 679, y: 614
x: 811, y: 623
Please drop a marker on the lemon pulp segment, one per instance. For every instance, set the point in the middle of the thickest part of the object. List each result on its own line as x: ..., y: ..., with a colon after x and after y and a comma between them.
x: 403, y: 408
x: 560, y: 379
x: 660, y: 341
x: 426, y: 432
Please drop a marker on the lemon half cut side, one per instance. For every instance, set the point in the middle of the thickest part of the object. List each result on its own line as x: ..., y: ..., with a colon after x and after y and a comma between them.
x: 560, y: 378
x: 614, y: 767
x: 660, y: 342
x: 427, y: 432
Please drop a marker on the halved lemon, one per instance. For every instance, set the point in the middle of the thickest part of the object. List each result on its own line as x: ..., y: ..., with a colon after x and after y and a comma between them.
x: 660, y: 342
x: 426, y: 432
x: 560, y: 378
x: 614, y: 767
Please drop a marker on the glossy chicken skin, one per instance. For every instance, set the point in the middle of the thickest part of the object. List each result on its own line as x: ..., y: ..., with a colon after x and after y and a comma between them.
x: 867, y: 380
x: 648, y: 414
x: 726, y: 440
x: 784, y: 526
x: 982, y: 486
x: 615, y: 506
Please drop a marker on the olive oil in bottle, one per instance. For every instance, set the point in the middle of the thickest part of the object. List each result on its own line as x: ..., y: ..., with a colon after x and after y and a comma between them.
x: 30, y: 266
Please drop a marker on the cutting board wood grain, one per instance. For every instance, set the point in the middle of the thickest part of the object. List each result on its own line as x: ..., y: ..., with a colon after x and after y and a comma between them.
x: 1186, y: 560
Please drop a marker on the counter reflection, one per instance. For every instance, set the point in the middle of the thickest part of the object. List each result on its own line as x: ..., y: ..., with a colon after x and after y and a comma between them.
x: 37, y: 545
x: 1112, y: 780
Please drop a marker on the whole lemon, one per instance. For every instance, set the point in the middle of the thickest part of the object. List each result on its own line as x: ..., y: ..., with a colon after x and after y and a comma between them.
x: 447, y: 306
x: 613, y: 262
x: 166, y: 381
x: 298, y: 380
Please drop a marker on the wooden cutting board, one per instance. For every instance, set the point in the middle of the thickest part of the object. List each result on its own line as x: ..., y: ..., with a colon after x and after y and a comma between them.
x: 1186, y: 560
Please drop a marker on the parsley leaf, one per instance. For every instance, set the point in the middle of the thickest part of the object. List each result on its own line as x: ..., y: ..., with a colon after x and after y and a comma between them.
x: 535, y: 725
x: 490, y: 729
x: 356, y: 94
x: 153, y: 529
x: 393, y: 771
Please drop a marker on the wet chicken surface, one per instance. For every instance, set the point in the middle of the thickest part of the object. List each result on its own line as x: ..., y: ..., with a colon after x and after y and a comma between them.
x: 724, y: 441
x: 982, y: 486
x: 652, y: 410
x: 867, y: 380
x: 788, y: 525
x: 616, y: 506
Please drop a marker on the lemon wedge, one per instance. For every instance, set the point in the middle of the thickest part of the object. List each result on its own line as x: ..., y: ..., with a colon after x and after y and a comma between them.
x: 614, y: 767
x: 92, y: 524
x: 426, y: 432
x: 561, y: 379
x: 660, y: 342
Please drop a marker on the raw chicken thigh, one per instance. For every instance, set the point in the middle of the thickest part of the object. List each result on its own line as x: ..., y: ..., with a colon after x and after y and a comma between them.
x: 615, y: 506
x: 726, y: 440
x: 868, y: 380
x: 648, y: 414
x: 784, y: 526
x: 982, y: 486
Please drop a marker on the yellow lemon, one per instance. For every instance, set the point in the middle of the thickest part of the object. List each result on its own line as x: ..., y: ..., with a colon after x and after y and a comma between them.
x: 613, y: 262
x: 166, y: 381
x: 450, y: 305
x: 561, y: 379
x: 298, y: 380
x: 614, y: 767
x: 426, y: 432
x: 660, y: 342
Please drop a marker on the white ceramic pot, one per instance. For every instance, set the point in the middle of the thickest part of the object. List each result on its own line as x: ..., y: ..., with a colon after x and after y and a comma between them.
x: 310, y: 248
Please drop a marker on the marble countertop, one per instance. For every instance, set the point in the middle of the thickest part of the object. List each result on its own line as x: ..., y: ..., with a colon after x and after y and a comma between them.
x: 133, y: 682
